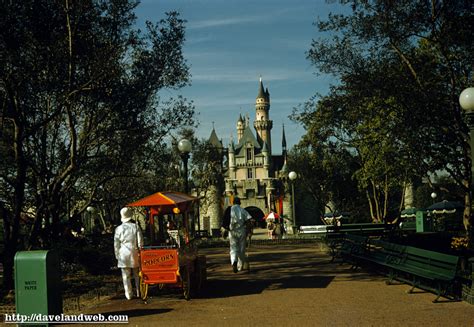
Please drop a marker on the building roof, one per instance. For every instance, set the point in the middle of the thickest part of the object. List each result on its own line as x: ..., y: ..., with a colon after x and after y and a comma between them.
x: 214, y: 140
x: 262, y: 93
x: 247, y: 137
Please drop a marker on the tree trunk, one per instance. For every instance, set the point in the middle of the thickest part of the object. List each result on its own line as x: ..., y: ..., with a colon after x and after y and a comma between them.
x: 370, y: 205
x: 11, y: 238
x: 385, y: 199
x: 377, y: 203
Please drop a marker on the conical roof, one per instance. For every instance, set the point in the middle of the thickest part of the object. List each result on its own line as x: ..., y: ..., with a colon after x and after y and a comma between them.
x: 262, y: 92
x: 247, y: 137
x: 214, y: 140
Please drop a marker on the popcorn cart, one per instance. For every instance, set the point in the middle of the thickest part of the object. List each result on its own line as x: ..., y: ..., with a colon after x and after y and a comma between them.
x: 170, y: 256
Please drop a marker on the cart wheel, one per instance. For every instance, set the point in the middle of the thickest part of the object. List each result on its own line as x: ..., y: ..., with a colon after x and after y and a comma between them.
x: 143, y: 288
x: 186, y: 282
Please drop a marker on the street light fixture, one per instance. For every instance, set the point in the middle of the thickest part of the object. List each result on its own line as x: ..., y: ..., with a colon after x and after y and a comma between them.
x: 185, y: 147
x: 91, y: 211
x: 466, y: 101
x: 292, y: 176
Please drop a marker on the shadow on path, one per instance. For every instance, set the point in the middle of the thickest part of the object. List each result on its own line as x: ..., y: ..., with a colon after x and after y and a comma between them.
x: 220, y: 288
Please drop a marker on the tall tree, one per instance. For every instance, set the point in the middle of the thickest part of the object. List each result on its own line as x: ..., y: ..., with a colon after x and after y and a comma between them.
x: 401, y: 66
x: 80, y: 104
x: 326, y: 174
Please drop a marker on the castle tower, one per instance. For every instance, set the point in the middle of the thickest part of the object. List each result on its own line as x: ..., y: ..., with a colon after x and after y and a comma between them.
x: 266, y: 160
x: 240, y: 128
x: 263, y: 125
x: 231, y: 159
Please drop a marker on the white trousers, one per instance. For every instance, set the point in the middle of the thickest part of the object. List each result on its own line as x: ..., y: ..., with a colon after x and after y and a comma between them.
x: 237, y: 245
x: 127, y: 275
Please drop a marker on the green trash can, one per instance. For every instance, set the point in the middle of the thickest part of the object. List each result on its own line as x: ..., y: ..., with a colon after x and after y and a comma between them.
x: 37, y: 283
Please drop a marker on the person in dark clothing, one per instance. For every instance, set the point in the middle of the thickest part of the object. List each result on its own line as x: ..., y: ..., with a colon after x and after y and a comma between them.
x: 226, y: 219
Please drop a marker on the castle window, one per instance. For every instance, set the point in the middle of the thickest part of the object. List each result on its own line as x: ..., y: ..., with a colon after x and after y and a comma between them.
x: 250, y: 194
x: 249, y: 173
x: 249, y: 154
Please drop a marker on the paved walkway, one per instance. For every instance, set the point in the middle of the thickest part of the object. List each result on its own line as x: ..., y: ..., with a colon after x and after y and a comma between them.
x: 290, y: 285
x: 260, y: 234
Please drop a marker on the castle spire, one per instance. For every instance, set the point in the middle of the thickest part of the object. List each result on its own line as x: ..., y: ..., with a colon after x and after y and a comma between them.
x: 261, y: 90
x: 262, y: 123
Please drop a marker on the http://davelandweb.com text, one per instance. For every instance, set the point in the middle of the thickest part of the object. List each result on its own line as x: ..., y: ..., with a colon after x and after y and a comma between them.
x: 64, y: 318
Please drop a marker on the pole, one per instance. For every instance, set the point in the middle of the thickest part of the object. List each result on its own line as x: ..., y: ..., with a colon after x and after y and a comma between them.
x: 185, y: 157
x: 293, y: 205
x: 467, y: 220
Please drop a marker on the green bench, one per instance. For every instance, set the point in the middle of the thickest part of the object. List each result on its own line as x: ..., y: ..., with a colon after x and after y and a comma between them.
x: 382, y: 252
x: 424, y: 269
x: 353, y: 247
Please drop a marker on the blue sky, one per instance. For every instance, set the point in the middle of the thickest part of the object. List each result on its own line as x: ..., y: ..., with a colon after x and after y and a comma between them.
x: 230, y: 44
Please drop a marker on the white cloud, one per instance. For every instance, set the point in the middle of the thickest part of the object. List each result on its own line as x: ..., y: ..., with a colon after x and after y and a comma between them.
x: 219, y: 22
x: 266, y: 16
x: 231, y: 74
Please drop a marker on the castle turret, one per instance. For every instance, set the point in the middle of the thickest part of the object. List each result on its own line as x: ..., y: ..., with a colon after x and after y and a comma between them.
x: 231, y: 159
x: 240, y: 128
x: 266, y: 160
x: 263, y: 125
x: 283, y: 145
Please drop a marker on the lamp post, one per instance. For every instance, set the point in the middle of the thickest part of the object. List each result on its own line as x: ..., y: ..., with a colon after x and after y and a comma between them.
x: 185, y: 147
x: 91, y: 211
x: 292, y: 176
x: 466, y: 101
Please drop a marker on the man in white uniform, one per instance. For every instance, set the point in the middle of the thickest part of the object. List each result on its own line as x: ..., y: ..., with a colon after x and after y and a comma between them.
x: 128, y: 240
x: 237, y: 235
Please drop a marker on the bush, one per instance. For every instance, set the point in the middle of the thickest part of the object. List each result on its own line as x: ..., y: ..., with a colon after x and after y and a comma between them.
x: 94, y: 255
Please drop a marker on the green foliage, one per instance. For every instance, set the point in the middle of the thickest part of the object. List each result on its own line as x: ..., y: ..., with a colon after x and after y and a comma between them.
x: 401, y: 67
x: 83, y: 119
x: 326, y: 176
x: 207, y: 165
x: 92, y: 255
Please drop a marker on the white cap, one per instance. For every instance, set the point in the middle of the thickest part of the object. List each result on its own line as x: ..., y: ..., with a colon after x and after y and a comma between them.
x: 126, y: 214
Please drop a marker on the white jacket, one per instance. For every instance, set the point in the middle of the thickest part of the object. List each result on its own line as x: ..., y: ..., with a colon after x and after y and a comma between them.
x: 128, y: 239
x: 238, y: 217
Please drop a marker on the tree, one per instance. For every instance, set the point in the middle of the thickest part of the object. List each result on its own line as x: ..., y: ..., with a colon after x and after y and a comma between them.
x: 326, y: 174
x: 80, y: 104
x: 401, y: 66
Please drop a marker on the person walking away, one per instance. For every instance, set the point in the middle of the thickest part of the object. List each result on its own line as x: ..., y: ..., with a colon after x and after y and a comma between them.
x: 239, y: 217
x: 128, y: 239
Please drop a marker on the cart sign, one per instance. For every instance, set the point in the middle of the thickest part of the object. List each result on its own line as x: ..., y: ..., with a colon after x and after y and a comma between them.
x: 159, y: 265
x: 163, y: 258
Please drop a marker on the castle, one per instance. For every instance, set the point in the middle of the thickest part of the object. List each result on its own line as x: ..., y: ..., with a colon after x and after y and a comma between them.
x: 252, y: 172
